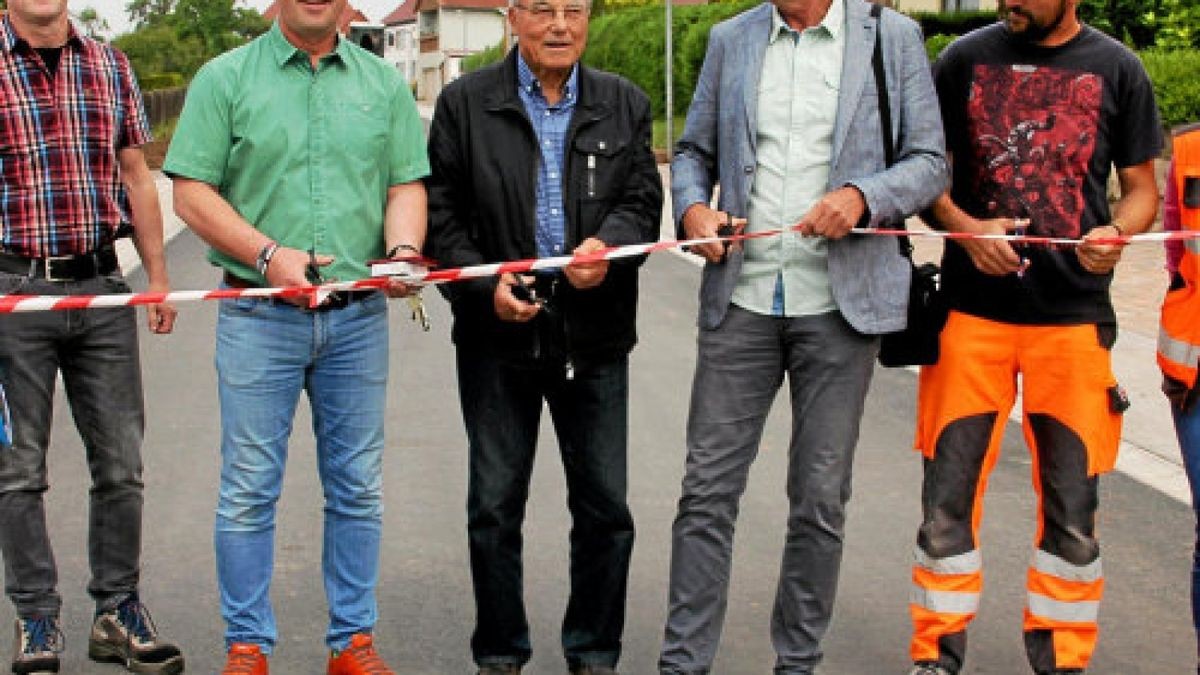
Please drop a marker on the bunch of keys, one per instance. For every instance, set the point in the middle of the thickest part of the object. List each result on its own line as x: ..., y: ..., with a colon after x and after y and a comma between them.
x: 417, y: 305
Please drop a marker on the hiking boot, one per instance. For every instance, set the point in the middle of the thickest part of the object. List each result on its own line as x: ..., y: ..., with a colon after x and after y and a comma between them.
x: 245, y: 659
x: 358, y: 658
x: 127, y: 635
x: 929, y: 669
x: 38, y: 643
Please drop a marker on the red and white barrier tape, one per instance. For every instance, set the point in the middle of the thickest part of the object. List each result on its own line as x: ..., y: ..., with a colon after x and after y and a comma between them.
x: 419, y: 275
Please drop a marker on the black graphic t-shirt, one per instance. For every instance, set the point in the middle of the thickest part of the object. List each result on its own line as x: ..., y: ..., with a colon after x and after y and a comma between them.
x: 1034, y: 133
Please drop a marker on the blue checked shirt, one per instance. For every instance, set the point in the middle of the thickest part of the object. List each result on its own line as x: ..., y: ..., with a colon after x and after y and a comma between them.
x: 550, y: 126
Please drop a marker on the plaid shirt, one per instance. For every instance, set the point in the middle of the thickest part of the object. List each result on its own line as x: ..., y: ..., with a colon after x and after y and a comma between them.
x: 550, y: 124
x: 60, y: 189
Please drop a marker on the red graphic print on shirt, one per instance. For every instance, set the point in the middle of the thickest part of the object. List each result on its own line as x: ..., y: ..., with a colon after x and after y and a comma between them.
x: 1033, y: 130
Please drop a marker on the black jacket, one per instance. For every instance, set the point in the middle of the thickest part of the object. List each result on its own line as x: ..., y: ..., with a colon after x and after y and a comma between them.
x: 484, y: 156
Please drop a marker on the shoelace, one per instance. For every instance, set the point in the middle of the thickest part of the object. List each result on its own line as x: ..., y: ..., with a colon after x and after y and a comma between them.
x: 43, y: 635
x: 241, y: 664
x: 134, y: 616
x: 368, y: 660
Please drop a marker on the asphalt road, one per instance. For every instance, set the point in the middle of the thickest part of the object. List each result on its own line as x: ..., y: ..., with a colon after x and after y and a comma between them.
x: 425, y: 596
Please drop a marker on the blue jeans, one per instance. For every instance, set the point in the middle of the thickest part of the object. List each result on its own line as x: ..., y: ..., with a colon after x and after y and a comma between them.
x: 96, y: 351
x: 502, y: 406
x: 1187, y: 425
x: 267, y: 353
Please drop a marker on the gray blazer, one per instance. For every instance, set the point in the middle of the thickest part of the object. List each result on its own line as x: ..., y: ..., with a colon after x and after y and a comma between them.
x: 869, y: 276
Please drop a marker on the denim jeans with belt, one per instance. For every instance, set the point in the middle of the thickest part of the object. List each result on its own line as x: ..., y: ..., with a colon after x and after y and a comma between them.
x: 96, y: 350
x: 502, y: 407
x: 267, y: 353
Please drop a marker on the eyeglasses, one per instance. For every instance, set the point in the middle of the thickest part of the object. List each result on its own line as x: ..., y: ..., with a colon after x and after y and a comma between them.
x: 545, y: 13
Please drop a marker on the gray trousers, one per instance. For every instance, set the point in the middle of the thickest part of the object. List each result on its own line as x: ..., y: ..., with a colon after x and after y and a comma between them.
x: 96, y: 350
x: 739, y: 369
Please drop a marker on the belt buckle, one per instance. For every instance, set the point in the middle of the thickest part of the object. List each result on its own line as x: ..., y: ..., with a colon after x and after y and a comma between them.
x: 335, y: 300
x: 48, y: 263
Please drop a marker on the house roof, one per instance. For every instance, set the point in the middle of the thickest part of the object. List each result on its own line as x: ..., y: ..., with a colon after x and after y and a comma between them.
x: 349, y: 15
x: 407, y: 11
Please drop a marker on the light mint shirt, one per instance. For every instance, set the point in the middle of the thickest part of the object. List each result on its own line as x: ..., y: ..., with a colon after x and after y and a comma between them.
x: 797, y: 106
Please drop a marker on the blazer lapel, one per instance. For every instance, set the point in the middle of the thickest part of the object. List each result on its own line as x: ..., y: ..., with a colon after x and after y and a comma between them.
x: 752, y: 53
x: 856, y: 63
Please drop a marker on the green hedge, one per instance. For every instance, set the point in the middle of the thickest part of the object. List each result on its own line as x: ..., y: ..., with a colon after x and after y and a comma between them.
x: 1176, y: 84
x: 934, y: 44
x: 160, y: 81
x: 490, y: 55
x: 631, y: 42
x: 953, y: 23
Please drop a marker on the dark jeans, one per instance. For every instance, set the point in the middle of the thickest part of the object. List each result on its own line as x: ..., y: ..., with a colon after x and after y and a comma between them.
x: 97, y: 352
x: 502, y: 405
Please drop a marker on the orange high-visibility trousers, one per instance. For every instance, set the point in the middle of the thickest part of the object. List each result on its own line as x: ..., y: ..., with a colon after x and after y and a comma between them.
x: 1072, y: 433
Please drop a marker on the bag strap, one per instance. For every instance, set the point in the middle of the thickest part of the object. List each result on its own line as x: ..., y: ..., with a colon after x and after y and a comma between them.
x: 885, y: 110
x: 885, y: 106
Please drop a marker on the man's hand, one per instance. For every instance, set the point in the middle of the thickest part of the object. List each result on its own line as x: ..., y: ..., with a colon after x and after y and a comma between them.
x: 587, y: 275
x: 288, y: 268
x: 160, y: 316
x: 400, y: 289
x: 508, y: 307
x: 701, y: 222
x: 834, y: 215
x: 1099, y: 258
x: 994, y: 257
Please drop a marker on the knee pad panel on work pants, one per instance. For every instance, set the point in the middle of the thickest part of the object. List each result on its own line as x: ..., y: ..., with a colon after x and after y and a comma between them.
x: 950, y: 485
x: 1069, y: 495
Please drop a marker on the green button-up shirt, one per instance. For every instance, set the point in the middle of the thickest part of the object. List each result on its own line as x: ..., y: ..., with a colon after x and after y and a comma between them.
x: 306, y: 156
x: 797, y: 107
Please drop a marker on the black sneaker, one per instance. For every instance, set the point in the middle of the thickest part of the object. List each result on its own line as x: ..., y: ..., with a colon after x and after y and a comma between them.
x: 38, y: 643
x: 127, y: 636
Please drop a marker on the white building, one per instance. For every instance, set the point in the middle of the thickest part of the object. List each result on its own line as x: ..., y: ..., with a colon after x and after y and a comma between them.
x: 402, y: 41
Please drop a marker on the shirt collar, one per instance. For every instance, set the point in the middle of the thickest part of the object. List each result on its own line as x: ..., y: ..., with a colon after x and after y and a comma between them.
x: 832, y: 25
x: 527, y: 82
x: 9, y: 38
x: 285, y: 51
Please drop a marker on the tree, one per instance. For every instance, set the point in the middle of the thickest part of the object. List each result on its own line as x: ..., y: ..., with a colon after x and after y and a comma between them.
x: 1130, y: 21
x: 143, y: 13
x: 193, y: 31
x: 217, y: 23
x: 158, y: 50
x: 94, y: 26
x: 1178, y: 24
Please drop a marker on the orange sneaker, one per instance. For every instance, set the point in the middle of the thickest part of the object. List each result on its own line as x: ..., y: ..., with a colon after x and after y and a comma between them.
x: 245, y: 659
x: 358, y: 658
